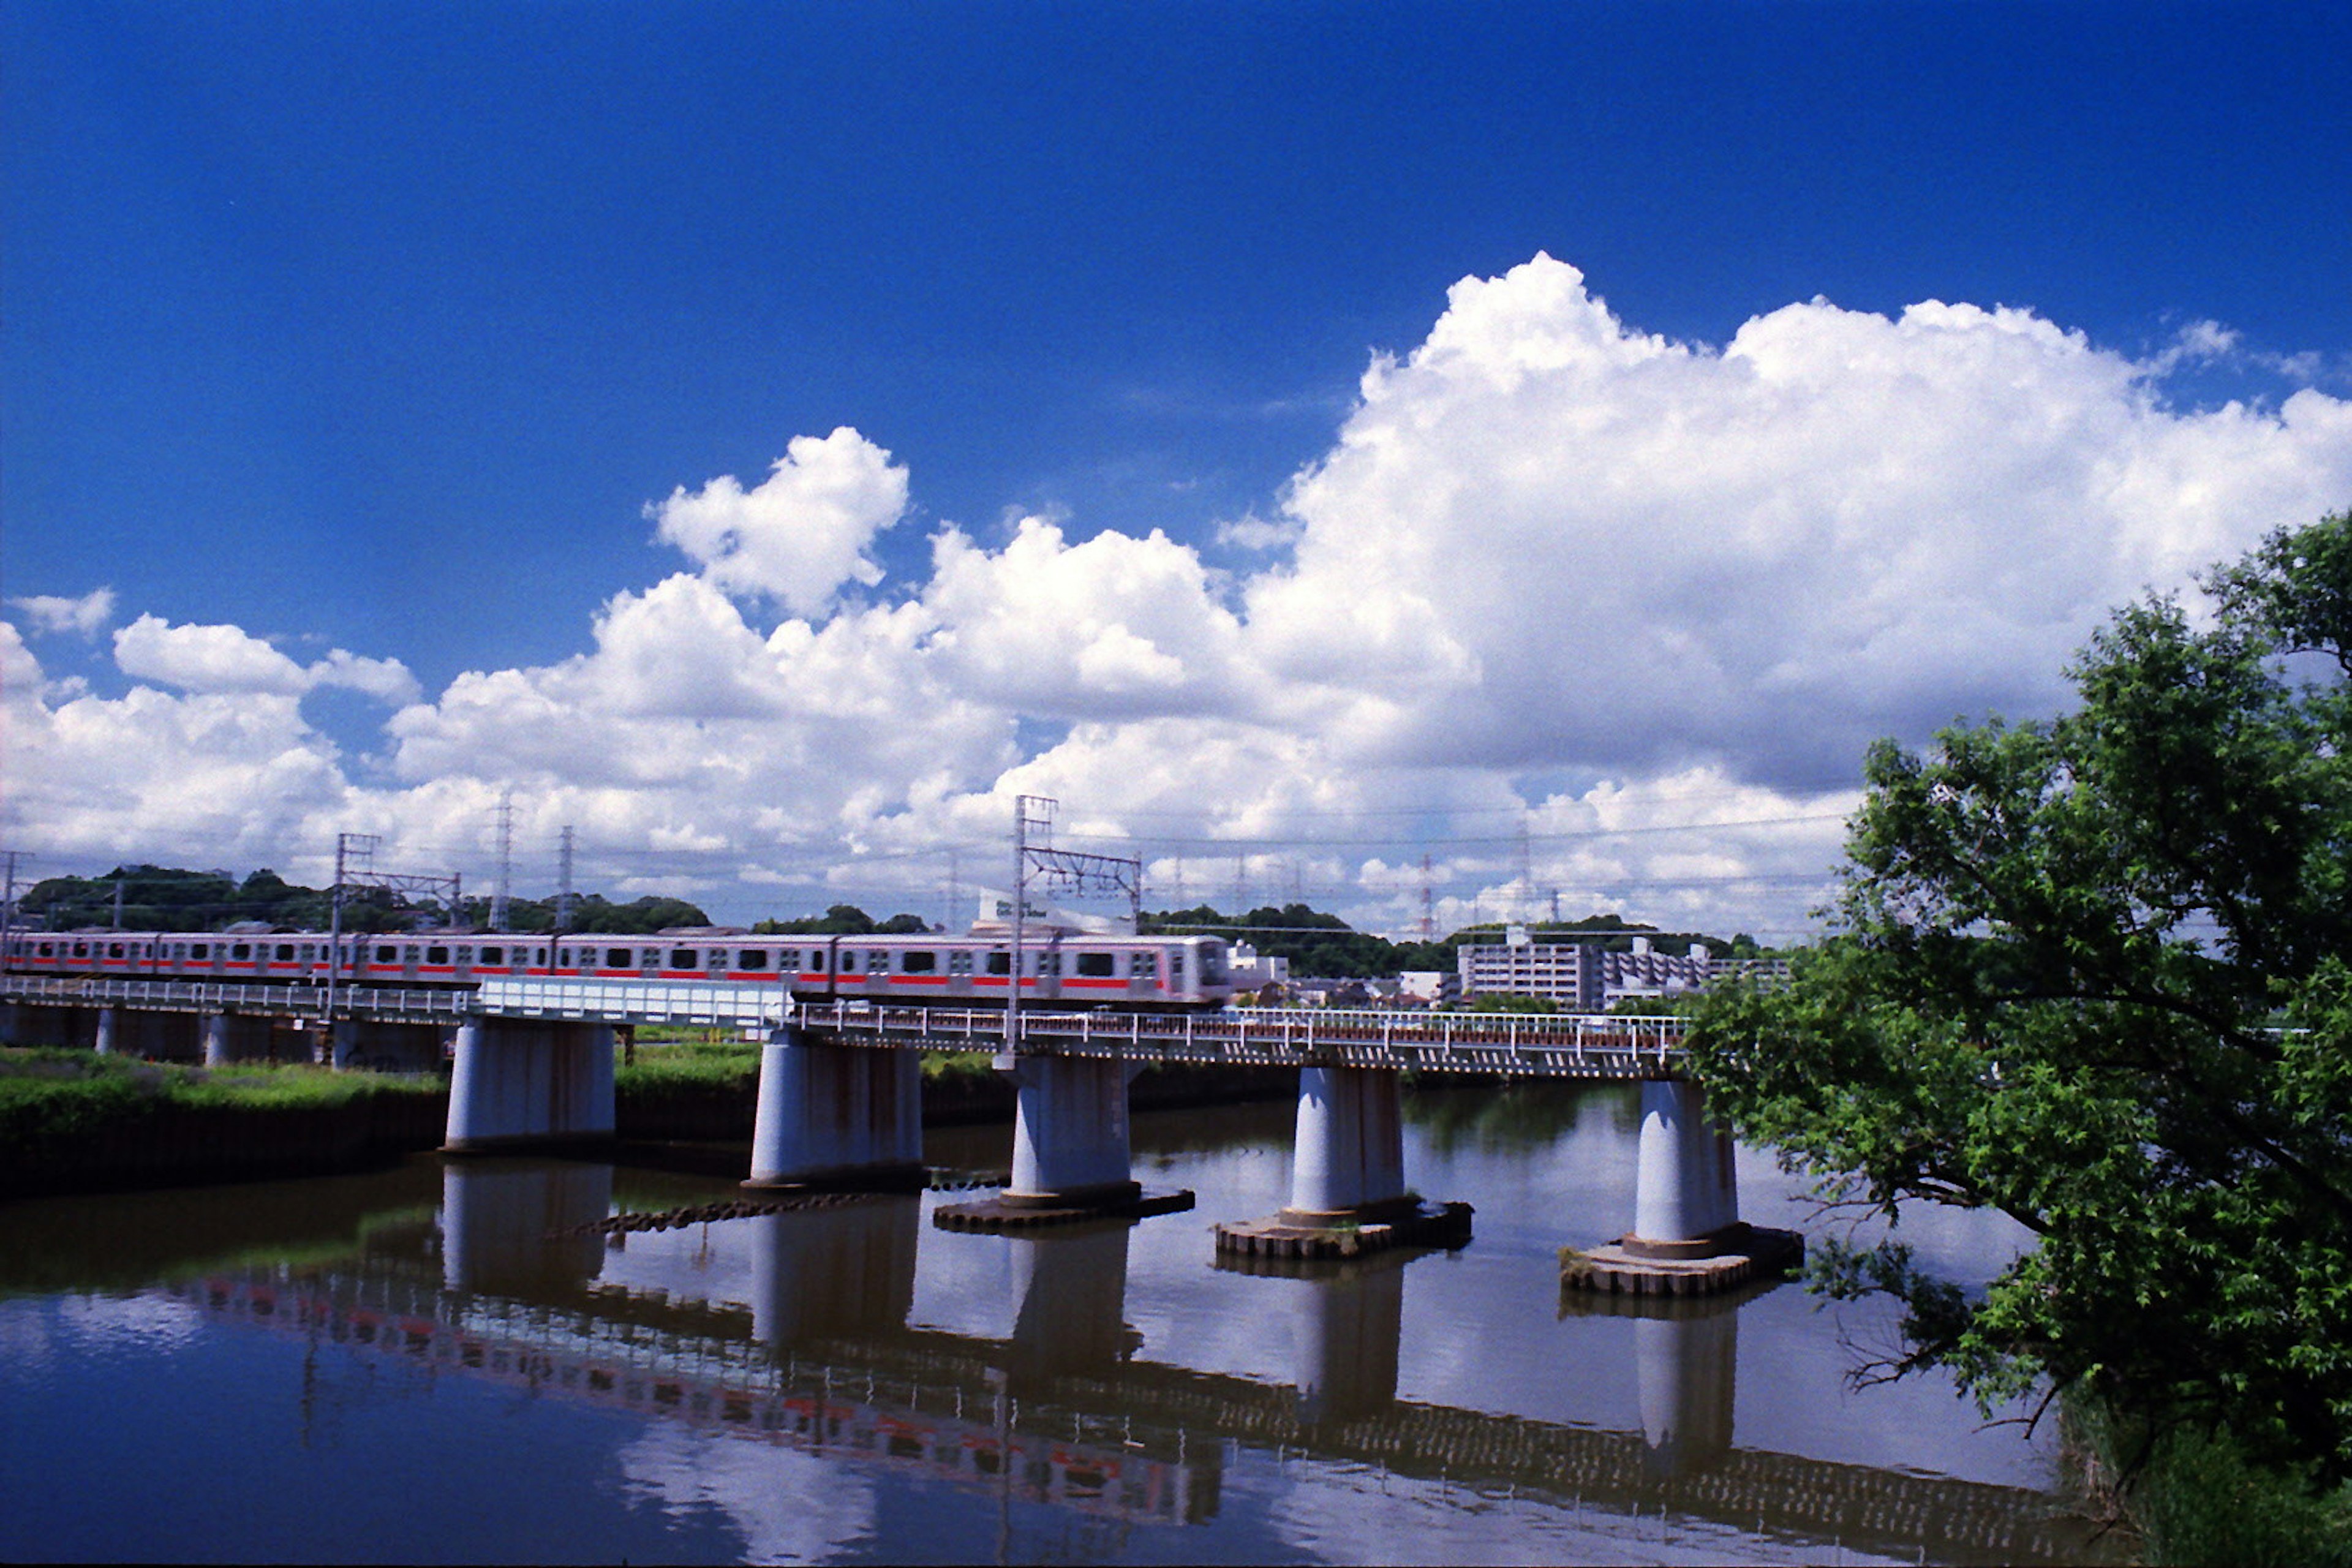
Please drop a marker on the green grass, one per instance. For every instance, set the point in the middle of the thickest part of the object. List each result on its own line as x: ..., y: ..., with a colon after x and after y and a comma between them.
x: 667, y: 1060
x: 48, y: 1093
x: 2198, y: 1498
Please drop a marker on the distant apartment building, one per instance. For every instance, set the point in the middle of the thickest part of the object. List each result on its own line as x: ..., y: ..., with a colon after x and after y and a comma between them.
x: 1428, y: 988
x: 1580, y: 977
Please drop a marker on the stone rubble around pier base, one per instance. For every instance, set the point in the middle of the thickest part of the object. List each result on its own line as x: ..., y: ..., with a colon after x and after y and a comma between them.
x: 1749, y: 1253
x: 995, y: 1214
x: 1430, y: 1225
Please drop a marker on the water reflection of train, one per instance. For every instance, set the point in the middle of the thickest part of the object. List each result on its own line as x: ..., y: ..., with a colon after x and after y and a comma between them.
x: 1128, y: 973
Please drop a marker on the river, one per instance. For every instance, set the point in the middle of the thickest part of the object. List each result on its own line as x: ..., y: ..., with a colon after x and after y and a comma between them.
x: 459, y: 1362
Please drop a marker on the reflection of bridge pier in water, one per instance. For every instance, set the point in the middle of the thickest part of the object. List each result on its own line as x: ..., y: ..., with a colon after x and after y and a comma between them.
x: 1686, y: 1364
x: 1070, y: 1303
x: 522, y: 1229
x: 841, y: 1271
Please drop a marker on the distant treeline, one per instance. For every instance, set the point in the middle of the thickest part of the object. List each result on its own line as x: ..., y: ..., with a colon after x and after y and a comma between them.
x: 161, y: 897
x: 158, y: 898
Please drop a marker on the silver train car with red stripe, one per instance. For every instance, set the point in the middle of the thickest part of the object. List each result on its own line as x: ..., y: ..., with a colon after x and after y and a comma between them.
x: 1155, y: 974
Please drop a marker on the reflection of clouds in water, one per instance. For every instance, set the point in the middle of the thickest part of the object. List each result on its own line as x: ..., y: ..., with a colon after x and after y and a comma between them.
x: 788, y: 1506
x: 83, y: 1325
x: 709, y: 1262
x: 964, y: 1284
x: 1339, y: 1513
x: 27, y: 1343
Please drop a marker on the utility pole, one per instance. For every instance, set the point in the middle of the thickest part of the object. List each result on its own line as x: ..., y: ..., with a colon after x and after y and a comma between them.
x: 118, y: 904
x: 1428, y: 902
x: 1061, y: 868
x: 1526, y: 873
x: 563, y: 897
x: 955, y: 887
x: 1241, y: 887
x: 347, y: 847
x: 499, y: 900
x: 1021, y: 822
x: 8, y: 898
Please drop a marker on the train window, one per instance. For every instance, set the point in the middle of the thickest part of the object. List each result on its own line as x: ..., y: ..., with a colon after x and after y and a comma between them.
x: 752, y: 958
x: 114, y: 950
x: 681, y: 958
x: 1095, y: 965
x: 849, y: 963
x: 880, y: 963
x: 285, y: 953
x: 1000, y: 961
x: 539, y: 956
x: 436, y: 955
x: 1176, y: 969
x: 494, y: 955
x: 918, y: 963
x: 44, y: 950
x: 309, y: 952
x: 618, y: 958
x: 242, y: 952
x: 465, y: 953
x: 201, y: 950
x: 81, y: 950
x: 959, y: 961
x: 564, y: 957
x: 387, y: 954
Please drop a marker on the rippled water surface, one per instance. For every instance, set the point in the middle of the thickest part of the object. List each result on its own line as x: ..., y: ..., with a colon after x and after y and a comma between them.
x: 457, y: 1362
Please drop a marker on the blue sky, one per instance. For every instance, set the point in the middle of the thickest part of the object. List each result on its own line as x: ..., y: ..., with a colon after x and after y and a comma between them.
x: 381, y: 327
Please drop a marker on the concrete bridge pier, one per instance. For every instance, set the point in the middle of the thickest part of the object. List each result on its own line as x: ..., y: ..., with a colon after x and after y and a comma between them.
x: 1069, y: 1134
x: 1347, y: 1160
x: 518, y: 1230
x: 841, y: 1272
x: 837, y: 1116
x: 1686, y: 1191
x: 1070, y: 1149
x: 107, y: 1025
x: 1348, y: 1191
x: 518, y: 1085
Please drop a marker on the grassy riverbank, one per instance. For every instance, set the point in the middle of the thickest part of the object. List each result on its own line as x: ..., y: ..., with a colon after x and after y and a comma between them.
x: 72, y: 1120
x: 2197, y: 1497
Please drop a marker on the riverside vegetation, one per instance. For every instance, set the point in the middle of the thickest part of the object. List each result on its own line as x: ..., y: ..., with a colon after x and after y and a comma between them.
x: 2093, y: 973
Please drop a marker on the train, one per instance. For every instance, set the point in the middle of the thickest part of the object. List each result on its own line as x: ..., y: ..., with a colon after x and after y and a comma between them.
x: 1129, y: 973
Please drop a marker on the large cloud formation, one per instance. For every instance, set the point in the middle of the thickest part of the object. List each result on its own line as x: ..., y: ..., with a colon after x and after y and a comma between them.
x: 1642, y: 601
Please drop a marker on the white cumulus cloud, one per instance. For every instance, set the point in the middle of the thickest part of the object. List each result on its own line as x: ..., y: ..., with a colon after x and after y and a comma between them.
x: 50, y: 613
x: 1647, y: 600
x: 801, y: 533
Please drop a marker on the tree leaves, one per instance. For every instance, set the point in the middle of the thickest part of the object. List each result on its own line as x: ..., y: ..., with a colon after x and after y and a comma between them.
x: 2092, y: 973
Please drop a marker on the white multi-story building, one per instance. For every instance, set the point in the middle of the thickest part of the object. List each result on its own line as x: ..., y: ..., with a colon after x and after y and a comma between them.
x: 1582, y: 978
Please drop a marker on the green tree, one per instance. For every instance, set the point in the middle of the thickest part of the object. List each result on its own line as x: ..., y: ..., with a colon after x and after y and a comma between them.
x: 2093, y: 973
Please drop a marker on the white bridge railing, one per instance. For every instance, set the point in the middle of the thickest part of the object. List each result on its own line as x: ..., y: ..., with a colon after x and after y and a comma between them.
x: 1516, y: 1044
x: 690, y: 1004
x: 386, y: 1004
x: 1512, y: 1044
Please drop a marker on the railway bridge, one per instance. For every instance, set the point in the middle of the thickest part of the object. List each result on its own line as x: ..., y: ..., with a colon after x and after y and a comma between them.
x: 840, y: 1085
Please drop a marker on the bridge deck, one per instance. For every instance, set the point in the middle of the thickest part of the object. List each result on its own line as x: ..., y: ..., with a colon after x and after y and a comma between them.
x: 1505, y: 1044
